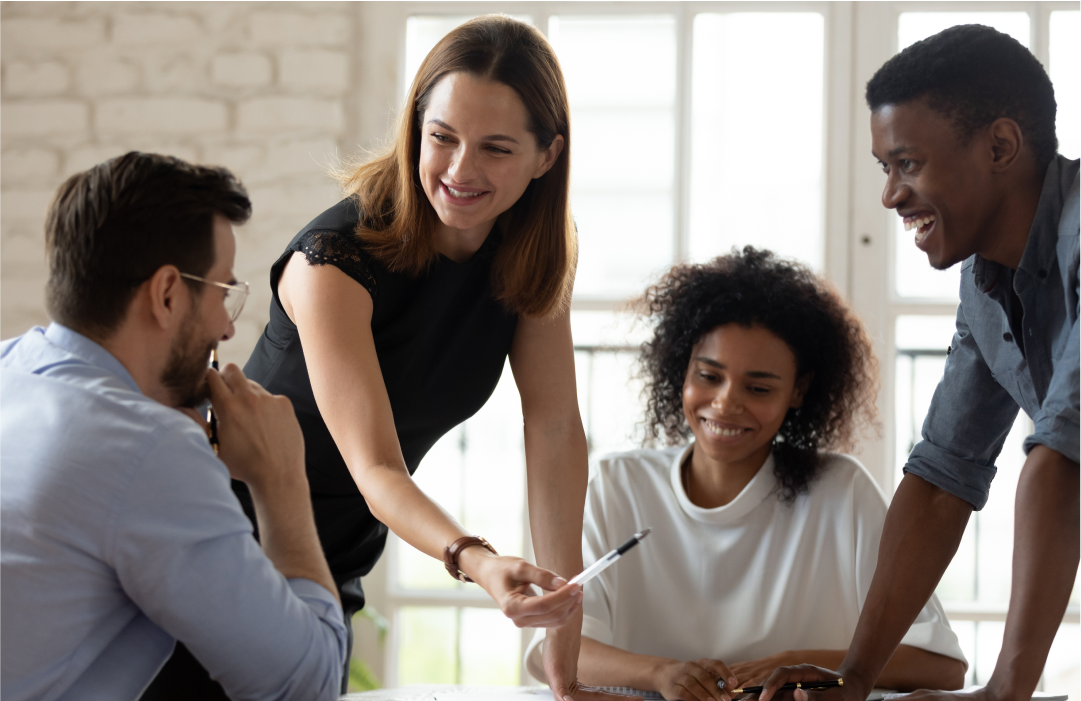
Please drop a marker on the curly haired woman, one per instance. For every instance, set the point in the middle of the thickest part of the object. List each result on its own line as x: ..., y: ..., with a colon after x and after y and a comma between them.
x: 764, y: 543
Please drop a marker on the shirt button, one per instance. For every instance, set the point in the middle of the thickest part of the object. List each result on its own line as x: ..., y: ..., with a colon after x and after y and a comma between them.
x: 1007, y: 337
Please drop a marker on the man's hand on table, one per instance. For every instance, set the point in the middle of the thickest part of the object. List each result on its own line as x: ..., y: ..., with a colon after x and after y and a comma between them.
x: 755, y: 672
x: 852, y: 690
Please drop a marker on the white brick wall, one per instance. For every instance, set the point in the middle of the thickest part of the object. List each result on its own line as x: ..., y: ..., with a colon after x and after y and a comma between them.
x: 269, y: 90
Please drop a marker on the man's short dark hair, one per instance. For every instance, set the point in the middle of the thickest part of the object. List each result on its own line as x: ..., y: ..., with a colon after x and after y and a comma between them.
x: 112, y: 227
x: 974, y: 75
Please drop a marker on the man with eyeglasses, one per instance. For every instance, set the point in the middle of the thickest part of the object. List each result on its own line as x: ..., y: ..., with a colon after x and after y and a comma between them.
x: 121, y: 535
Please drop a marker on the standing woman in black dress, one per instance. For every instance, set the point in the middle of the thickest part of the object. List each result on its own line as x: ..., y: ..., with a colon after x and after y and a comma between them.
x: 395, y: 310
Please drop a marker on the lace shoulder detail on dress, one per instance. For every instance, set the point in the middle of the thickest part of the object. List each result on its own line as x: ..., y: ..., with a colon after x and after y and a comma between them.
x: 330, y: 247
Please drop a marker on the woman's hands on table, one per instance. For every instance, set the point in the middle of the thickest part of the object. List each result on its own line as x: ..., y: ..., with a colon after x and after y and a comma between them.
x: 693, y: 681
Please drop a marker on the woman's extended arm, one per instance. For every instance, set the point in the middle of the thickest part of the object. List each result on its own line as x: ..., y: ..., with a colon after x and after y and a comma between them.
x: 693, y: 680
x: 910, y: 668
x: 333, y: 316
x: 542, y: 359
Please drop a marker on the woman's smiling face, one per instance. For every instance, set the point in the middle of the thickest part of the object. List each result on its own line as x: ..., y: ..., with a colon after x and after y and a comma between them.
x: 477, y: 155
x: 739, y: 386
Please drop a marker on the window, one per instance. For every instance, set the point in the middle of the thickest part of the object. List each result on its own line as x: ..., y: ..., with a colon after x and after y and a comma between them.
x: 757, y: 134
x: 695, y: 129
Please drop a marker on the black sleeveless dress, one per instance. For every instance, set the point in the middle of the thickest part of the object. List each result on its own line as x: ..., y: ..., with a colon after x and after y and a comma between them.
x: 442, y: 341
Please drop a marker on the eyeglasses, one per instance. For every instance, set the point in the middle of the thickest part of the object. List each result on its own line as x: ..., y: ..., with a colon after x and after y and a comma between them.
x: 235, y: 295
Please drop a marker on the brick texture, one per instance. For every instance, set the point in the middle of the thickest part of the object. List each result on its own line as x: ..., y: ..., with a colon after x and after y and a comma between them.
x: 262, y: 88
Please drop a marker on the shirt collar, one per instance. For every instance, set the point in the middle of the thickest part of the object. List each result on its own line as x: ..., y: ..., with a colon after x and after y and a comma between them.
x: 1040, y: 250
x: 90, y: 352
x: 762, y: 485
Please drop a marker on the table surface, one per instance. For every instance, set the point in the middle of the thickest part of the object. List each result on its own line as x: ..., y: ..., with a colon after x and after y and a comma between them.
x: 427, y: 692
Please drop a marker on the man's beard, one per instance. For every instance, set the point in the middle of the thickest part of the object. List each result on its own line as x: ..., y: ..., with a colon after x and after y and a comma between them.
x: 185, y: 371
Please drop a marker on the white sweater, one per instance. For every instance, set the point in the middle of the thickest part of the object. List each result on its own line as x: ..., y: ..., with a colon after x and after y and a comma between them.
x: 749, y: 579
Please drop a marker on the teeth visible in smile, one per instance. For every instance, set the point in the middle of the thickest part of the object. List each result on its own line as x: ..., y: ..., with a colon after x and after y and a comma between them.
x: 917, y: 223
x: 458, y: 193
x: 718, y: 430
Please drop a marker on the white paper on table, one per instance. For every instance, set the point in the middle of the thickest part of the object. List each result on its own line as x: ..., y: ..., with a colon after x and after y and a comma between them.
x: 494, y: 693
x: 969, y: 689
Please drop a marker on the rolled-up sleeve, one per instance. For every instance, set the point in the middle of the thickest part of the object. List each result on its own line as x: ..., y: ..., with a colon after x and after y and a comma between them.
x: 1056, y: 423
x: 967, y: 423
x: 184, y: 553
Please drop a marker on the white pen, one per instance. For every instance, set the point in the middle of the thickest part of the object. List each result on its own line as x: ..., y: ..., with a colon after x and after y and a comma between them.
x: 603, y: 563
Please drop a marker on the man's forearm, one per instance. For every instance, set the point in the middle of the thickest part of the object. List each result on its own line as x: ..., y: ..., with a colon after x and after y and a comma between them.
x: 923, y: 527
x: 1045, y: 559
x: 913, y: 668
x: 287, y: 532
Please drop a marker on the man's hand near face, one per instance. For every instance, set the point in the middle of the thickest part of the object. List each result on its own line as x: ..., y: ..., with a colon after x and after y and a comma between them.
x: 261, y: 443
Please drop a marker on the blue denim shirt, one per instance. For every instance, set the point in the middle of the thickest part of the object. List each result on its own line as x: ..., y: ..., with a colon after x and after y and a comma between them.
x: 121, y: 535
x: 990, y: 373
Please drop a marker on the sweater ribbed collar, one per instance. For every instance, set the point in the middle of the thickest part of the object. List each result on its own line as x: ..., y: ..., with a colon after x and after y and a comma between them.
x: 761, y: 486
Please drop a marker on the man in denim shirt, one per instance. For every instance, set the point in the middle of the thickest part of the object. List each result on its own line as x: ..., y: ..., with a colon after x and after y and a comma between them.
x: 964, y: 126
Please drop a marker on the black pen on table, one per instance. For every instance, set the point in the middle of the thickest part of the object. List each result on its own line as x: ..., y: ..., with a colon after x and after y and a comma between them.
x: 210, y: 418
x: 791, y: 686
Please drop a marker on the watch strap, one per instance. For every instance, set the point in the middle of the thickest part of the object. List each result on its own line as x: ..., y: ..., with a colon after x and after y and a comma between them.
x: 451, y: 552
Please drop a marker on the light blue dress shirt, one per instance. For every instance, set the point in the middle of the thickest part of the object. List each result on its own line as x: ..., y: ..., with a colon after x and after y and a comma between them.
x: 994, y: 367
x: 120, y: 535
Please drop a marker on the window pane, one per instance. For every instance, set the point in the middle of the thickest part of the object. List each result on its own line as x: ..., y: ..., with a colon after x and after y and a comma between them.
x: 966, y: 638
x: 988, y: 645
x: 914, y: 26
x: 441, y: 476
x: 476, y: 472
x: 913, y: 275
x: 610, y: 399
x: 601, y: 328
x: 490, y: 648
x: 623, y: 146
x: 756, y: 172
x: 427, y: 645
x: 1062, y: 673
x: 1065, y: 59
x: 921, y: 342
x: 494, y: 484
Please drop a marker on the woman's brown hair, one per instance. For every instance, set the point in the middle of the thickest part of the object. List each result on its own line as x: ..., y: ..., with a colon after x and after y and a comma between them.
x: 533, y: 271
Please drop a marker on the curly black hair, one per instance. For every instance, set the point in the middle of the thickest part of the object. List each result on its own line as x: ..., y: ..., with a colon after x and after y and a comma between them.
x: 974, y: 75
x: 755, y: 287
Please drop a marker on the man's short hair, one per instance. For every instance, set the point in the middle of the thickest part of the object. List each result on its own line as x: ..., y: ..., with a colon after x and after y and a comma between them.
x: 974, y: 75
x: 112, y: 227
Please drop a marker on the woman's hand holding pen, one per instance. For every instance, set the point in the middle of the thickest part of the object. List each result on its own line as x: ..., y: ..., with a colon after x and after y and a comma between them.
x: 694, y: 681
x: 507, y: 580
